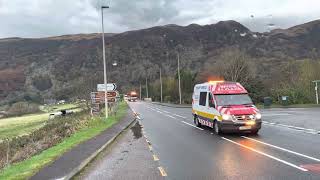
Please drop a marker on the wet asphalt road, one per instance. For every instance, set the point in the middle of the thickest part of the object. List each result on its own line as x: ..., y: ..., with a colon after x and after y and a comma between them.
x: 127, y: 158
x: 278, y: 152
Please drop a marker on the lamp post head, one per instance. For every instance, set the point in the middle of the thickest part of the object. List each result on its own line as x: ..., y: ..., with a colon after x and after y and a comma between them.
x: 104, y: 7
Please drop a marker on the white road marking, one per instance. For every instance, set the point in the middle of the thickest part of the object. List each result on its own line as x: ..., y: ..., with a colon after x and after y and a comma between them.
x: 276, y: 114
x: 166, y: 111
x: 267, y: 155
x: 306, y: 130
x: 180, y: 116
x: 61, y: 178
x: 283, y: 149
x: 170, y: 116
x: 192, y: 125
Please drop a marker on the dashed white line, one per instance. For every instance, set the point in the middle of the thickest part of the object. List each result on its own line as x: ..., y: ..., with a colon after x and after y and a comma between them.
x: 283, y: 149
x: 180, y: 116
x: 166, y: 111
x: 306, y: 130
x: 170, y: 116
x: 192, y: 125
x: 267, y: 155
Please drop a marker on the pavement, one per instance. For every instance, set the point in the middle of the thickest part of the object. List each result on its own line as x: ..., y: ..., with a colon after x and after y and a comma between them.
x: 72, y: 161
x: 280, y: 151
x: 129, y: 157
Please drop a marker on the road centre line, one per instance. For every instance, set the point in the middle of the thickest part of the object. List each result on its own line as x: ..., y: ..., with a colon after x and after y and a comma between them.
x: 310, y: 131
x: 170, y: 116
x: 192, y: 125
x: 283, y: 149
x: 180, y: 116
x: 163, y: 111
x: 267, y: 155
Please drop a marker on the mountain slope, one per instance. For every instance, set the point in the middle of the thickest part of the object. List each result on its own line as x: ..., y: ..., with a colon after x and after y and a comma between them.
x: 50, y: 67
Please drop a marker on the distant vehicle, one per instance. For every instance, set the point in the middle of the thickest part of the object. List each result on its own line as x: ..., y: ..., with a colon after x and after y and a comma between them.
x: 225, y: 107
x: 132, y: 96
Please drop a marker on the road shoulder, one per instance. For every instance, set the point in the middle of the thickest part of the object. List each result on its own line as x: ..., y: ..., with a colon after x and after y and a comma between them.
x: 127, y: 158
x: 74, y: 160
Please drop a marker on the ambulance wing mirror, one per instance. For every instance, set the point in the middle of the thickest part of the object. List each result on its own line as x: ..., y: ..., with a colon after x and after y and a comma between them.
x: 211, y: 104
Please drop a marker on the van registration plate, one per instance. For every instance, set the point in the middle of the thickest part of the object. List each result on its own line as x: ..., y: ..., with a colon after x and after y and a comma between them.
x: 244, y: 127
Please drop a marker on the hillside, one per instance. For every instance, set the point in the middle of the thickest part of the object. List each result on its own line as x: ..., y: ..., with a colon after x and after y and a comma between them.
x: 57, y: 67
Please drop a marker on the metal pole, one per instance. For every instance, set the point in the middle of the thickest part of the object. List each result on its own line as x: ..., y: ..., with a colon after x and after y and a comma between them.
x: 179, y: 77
x: 147, y: 87
x: 160, y: 86
x: 140, y: 91
x: 317, y: 95
x: 104, y: 66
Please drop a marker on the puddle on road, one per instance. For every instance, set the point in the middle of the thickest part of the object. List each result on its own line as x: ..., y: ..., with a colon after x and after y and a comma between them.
x: 137, y: 130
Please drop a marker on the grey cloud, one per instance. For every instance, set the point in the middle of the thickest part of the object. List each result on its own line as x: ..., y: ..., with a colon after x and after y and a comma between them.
x: 40, y: 18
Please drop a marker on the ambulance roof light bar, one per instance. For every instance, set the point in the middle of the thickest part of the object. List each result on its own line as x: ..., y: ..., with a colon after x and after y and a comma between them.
x: 215, y: 82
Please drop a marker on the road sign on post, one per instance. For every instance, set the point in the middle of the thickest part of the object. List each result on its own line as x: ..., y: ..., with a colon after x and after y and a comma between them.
x: 110, y: 87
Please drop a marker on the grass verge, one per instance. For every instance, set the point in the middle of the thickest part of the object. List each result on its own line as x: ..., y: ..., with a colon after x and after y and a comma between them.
x: 29, y: 167
x: 16, y: 126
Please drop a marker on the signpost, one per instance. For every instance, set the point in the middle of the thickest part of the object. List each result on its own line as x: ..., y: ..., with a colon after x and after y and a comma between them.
x: 110, y: 87
x: 98, y: 97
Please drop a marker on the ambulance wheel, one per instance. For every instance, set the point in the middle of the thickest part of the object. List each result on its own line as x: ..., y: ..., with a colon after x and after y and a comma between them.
x: 196, y: 121
x: 216, y: 128
x: 255, y: 132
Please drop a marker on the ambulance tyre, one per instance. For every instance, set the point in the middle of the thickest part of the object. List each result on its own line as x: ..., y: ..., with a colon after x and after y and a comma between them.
x: 216, y: 128
x: 196, y: 121
x: 255, y: 132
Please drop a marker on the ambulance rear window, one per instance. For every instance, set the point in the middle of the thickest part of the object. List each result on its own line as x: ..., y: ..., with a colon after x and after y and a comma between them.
x: 203, y: 98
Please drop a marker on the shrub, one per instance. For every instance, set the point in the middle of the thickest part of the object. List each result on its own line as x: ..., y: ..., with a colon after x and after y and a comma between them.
x: 20, y: 108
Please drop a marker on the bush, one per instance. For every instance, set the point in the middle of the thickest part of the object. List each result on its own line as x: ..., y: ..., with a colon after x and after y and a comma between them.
x: 20, y: 108
x: 49, y: 135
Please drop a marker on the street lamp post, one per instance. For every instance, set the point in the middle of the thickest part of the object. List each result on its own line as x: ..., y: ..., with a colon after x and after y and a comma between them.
x: 147, y: 87
x: 104, y: 64
x: 179, y: 77
x: 140, y: 91
x: 160, y: 86
x: 178, y: 58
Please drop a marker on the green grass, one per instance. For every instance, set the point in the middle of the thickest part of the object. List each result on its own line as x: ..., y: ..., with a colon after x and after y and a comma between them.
x: 29, y: 167
x: 53, y: 108
x: 21, y: 125
x: 16, y: 126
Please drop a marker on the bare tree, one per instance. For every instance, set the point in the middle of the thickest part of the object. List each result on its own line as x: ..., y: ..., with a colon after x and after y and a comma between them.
x: 232, y: 65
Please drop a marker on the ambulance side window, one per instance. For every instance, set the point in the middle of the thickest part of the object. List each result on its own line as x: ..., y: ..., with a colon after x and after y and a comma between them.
x: 203, y: 98
x: 211, y: 103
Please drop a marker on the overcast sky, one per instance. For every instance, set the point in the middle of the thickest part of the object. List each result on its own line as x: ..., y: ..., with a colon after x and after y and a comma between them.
x: 42, y: 18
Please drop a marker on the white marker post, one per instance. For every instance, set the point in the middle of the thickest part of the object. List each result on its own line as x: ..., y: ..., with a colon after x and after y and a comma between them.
x: 316, y: 89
